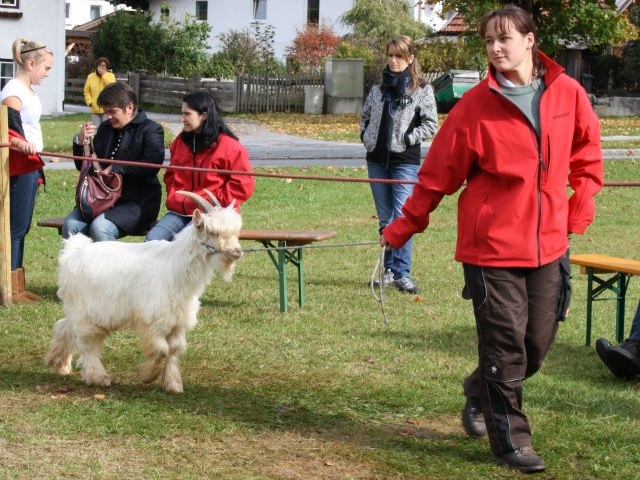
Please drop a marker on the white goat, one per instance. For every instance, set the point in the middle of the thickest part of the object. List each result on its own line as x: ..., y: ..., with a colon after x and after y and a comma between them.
x: 152, y: 287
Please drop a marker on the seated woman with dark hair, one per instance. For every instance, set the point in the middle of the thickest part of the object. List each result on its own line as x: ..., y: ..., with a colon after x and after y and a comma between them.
x: 204, y: 143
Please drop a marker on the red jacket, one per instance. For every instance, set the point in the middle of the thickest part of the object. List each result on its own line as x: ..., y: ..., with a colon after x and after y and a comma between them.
x: 515, y: 210
x: 226, y: 154
x: 20, y: 163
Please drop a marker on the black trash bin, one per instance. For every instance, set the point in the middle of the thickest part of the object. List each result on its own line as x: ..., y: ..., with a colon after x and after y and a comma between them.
x: 587, y: 82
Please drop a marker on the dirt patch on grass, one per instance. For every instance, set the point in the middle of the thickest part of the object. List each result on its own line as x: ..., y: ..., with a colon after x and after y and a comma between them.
x: 282, y: 455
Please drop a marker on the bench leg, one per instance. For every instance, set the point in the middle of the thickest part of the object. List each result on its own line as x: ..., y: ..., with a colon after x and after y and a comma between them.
x: 300, y: 278
x: 589, y: 305
x: 280, y: 260
x: 623, y: 282
x: 282, y: 275
x: 617, y: 284
x: 294, y: 256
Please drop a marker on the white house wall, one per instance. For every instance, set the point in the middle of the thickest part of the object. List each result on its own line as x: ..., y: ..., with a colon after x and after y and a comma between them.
x: 80, y: 11
x: 286, y: 16
x: 41, y: 20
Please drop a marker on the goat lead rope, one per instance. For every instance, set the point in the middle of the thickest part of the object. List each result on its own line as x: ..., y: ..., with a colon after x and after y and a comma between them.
x: 214, y: 250
x: 269, y: 249
x: 291, y: 247
x: 379, y: 273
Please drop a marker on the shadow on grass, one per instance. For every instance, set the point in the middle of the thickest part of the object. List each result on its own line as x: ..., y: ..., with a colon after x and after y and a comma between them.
x: 226, y: 407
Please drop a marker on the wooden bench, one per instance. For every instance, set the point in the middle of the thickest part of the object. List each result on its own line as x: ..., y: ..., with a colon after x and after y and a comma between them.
x: 284, y: 247
x: 610, y: 274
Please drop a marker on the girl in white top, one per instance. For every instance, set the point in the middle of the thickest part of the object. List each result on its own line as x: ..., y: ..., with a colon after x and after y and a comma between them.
x: 34, y: 61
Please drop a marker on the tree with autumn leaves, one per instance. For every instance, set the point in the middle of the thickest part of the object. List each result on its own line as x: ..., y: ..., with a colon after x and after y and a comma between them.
x: 310, y: 48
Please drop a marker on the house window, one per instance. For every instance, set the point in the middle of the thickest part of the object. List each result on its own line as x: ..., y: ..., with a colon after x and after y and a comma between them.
x: 6, y: 71
x: 95, y: 12
x: 313, y: 12
x: 201, y: 10
x: 10, y: 3
x: 67, y: 9
x: 259, y: 9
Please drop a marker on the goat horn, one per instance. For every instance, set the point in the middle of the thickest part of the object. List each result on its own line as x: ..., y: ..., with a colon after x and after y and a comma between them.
x: 213, y: 198
x: 206, y: 207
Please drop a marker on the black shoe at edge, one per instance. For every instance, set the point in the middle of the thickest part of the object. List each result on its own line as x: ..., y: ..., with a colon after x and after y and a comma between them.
x: 523, y: 459
x: 473, y: 420
x: 619, y: 360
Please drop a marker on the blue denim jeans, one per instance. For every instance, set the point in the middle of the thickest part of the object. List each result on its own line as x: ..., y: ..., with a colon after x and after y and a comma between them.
x: 22, y: 199
x: 168, y: 226
x: 100, y: 229
x: 389, y: 199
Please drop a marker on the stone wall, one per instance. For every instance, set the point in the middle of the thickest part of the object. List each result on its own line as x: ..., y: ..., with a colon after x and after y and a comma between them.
x: 617, y: 106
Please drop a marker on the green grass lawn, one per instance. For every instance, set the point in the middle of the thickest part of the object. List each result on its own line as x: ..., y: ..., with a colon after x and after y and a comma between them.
x: 325, y: 392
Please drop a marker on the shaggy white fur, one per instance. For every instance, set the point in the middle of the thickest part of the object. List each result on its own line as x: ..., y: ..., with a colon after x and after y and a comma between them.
x: 152, y: 287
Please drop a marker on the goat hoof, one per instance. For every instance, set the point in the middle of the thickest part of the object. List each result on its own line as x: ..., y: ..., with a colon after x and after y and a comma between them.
x: 63, y: 370
x: 173, y: 388
x: 59, y: 367
x: 98, y: 381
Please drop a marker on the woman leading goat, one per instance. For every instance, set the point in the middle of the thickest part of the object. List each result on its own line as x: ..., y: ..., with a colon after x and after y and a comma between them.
x: 512, y: 142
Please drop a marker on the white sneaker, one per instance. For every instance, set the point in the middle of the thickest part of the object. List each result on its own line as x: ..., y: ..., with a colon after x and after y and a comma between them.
x: 406, y: 284
x: 387, y: 279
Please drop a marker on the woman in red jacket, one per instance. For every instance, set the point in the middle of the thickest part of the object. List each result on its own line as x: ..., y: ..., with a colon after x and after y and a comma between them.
x: 204, y: 143
x: 515, y: 139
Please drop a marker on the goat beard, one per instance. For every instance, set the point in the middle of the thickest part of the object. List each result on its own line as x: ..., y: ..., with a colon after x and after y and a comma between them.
x: 227, y: 267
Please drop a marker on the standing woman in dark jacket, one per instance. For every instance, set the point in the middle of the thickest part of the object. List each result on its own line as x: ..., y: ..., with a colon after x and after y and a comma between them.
x: 397, y: 114
x: 128, y: 135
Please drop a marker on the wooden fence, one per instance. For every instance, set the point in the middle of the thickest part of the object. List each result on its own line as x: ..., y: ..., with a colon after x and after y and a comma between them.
x: 252, y: 93
x: 166, y: 91
x: 244, y: 94
x: 260, y: 93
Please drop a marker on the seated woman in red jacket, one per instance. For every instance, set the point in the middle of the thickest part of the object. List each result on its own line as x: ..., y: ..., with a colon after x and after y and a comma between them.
x: 204, y: 143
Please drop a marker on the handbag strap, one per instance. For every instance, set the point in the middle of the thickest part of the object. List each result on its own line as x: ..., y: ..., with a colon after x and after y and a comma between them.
x: 99, y: 178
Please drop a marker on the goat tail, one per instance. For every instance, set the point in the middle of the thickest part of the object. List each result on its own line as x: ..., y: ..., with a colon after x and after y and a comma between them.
x: 62, y: 348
